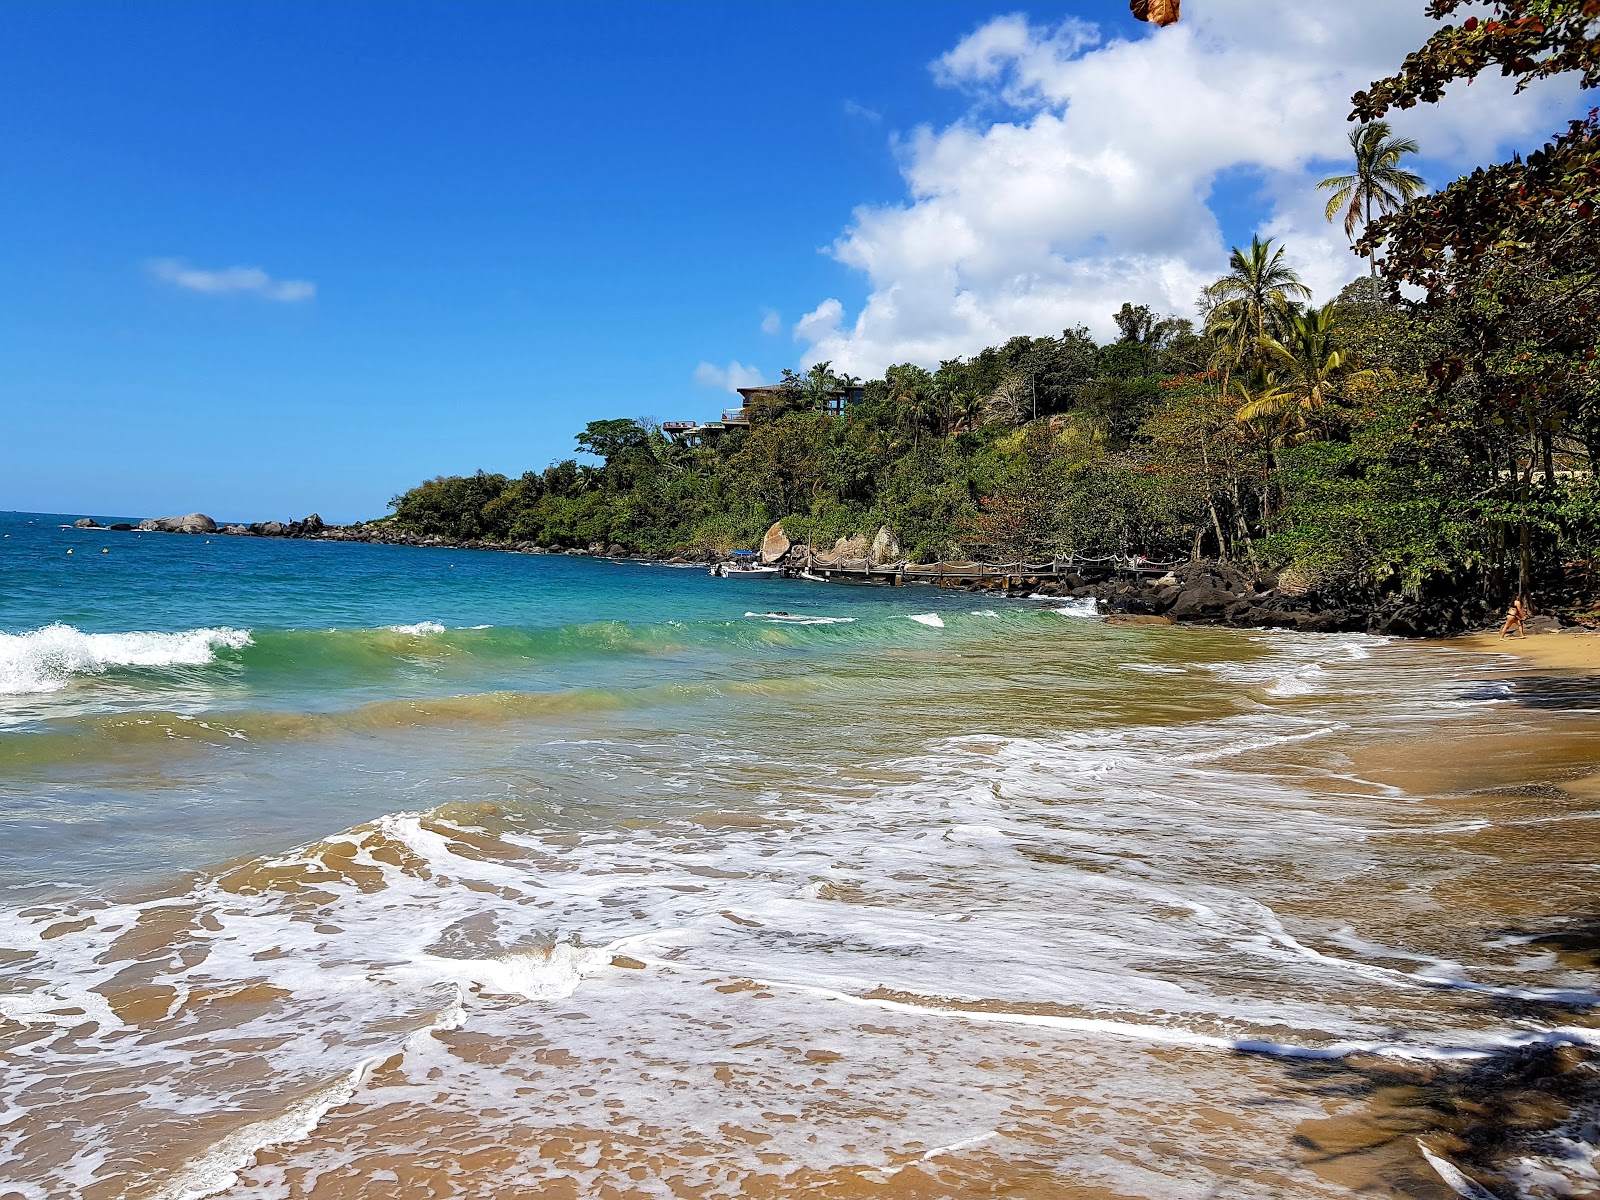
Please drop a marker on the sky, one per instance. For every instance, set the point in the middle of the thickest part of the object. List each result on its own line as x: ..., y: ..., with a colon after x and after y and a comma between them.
x: 260, y: 260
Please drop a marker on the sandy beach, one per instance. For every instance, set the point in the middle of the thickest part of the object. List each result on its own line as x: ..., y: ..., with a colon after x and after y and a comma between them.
x: 1571, y: 650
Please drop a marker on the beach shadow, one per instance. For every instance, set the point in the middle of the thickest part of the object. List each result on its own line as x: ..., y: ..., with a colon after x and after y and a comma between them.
x: 1552, y: 692
x: 1484, y: 1118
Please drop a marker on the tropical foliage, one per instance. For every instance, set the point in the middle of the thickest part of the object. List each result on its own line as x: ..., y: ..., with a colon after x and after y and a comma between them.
x: 1373, y: 443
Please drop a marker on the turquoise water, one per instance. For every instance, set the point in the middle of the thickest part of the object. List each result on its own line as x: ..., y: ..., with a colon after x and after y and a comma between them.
x: 346, y: 870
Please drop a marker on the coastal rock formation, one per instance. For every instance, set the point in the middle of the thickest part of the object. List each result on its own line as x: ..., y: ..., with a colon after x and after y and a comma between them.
x: 193, y: 523
x: 235, y: 530
x: 86, y: 523
x: 848, y: 549
x: 885, y: 547
x: 774, y: 543
x: 269, y: 528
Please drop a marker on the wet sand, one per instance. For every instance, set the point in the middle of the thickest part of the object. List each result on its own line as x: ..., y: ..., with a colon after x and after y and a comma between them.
x: 1568, y: 650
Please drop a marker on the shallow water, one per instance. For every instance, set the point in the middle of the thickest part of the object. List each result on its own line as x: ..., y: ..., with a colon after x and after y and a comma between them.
x: 336, y: 870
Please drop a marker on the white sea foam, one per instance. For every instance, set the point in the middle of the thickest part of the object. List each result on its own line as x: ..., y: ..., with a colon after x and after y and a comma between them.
x: 423, y: 628
x: 44, y: 660
x: 800, y: 618
x: 930, y: 619
x: 1085, y: 606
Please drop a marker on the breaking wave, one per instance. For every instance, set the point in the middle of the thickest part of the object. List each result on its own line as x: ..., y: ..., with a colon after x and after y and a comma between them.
x: 45, y: 660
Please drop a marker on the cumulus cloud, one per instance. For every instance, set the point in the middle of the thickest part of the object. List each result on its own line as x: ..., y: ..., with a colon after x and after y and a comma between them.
x: 771, y: 322
x: 232, y: 279
x: 1082, y: 174
x: 729, y: 378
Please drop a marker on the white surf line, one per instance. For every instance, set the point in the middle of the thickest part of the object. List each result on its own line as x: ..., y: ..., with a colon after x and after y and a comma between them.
x: 939, y: 1151
x: 220, y: 1167
x: 1453, y: 1177
x: 1165, y: 1035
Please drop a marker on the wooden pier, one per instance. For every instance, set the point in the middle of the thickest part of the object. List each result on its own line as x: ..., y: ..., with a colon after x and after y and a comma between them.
x: 1006, y: 577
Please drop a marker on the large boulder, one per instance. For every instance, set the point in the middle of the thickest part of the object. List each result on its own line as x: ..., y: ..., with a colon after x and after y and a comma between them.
x: 269, y: 528
x: 885, y: 547
x: 86, y: 523
x: 1200, y: 602
x: 121, y: 527
x: 774, y: 543
x: 196, y: 523
x: 850, y: 549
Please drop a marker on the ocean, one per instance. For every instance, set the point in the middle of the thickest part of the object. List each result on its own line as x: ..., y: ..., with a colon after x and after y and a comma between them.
x: 333, y: 870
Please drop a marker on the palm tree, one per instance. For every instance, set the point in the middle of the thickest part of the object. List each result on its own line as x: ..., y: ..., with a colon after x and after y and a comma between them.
x: 1315, y: 366
x: 1252, y: 301
x: 1379, y: 181
x: 966, y: 409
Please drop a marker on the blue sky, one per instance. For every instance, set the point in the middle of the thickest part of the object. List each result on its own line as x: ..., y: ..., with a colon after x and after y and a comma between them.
x: 467, y: 229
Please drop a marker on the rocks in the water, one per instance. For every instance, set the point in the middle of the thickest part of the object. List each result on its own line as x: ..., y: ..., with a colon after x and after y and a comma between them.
x: 774, y: 543
x: 235, y: 530
x: 193, y: 523
x: 86, y: 523
x: 1203, y: 600
x: 269, y: 529
x: 121, y: 527
x: 885, y: 547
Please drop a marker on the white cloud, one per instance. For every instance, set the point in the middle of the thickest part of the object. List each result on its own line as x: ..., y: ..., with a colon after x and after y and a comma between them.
x: 771, y: 322
x: 1082, y: 175
x: 232, y: 279
x: 729, y: 378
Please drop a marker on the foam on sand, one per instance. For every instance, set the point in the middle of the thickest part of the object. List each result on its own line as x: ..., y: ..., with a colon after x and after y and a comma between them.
x: 46, y: 659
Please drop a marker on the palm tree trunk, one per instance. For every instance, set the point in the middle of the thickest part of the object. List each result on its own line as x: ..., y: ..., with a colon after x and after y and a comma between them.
x: 1372, y: 259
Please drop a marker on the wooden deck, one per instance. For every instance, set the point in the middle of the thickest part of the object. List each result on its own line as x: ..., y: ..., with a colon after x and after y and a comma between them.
x: 1006, y: 577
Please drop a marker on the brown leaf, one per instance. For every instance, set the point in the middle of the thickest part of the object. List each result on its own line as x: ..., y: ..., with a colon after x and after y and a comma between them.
x: 1157, y: 12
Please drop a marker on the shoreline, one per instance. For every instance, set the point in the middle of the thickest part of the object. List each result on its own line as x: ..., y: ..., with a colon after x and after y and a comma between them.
x: 1571, y: 649
x: 1205, y: 592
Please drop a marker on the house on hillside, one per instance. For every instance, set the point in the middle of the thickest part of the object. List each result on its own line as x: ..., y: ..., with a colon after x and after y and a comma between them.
x: 757, y: 401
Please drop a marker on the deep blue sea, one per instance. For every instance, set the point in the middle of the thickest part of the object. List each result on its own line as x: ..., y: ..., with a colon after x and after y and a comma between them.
x: 332, y: 869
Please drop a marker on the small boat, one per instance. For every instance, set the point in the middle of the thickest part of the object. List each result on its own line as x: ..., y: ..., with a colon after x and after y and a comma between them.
x: 740, y: 571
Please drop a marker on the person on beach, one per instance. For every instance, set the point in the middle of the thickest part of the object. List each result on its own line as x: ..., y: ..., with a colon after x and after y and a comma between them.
x: 1516, y: 617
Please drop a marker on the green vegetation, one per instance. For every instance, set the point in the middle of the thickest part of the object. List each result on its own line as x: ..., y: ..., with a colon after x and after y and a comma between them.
x: 1372, y: 444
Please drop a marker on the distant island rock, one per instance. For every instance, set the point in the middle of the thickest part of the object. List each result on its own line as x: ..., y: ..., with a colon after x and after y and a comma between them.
x: 193, y: 523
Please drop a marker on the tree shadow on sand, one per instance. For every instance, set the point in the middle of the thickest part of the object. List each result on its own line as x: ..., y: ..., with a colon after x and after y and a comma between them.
x: 1524, y: 1122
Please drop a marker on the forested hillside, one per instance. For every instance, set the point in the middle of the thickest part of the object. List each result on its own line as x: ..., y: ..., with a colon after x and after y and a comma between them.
x: 1393, y: 438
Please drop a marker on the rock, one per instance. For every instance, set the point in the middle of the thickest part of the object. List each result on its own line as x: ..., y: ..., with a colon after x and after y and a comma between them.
x: 193, y: 523
x: 774, y: 543
x: 885, y: 547
x: 235, y: 530
x: 614, y: 551
x: 1165, y: 597
x: 269, y: 528
x: 312, y: 524
x: 1542, y: 625
x: 121, y: 527
x: 86, y: 523
x: 1201, y: 601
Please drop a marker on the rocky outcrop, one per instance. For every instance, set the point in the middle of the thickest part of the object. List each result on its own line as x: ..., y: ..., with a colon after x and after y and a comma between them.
x: 885, y: 547
x: 1216, y: 593
x: 193, y: 523
x: 774, y: 543
x: 269, y: 529
x: 86, y: 523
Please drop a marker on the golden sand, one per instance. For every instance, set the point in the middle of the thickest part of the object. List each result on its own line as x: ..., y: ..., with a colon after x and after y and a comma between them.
x: 1573, y: 651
